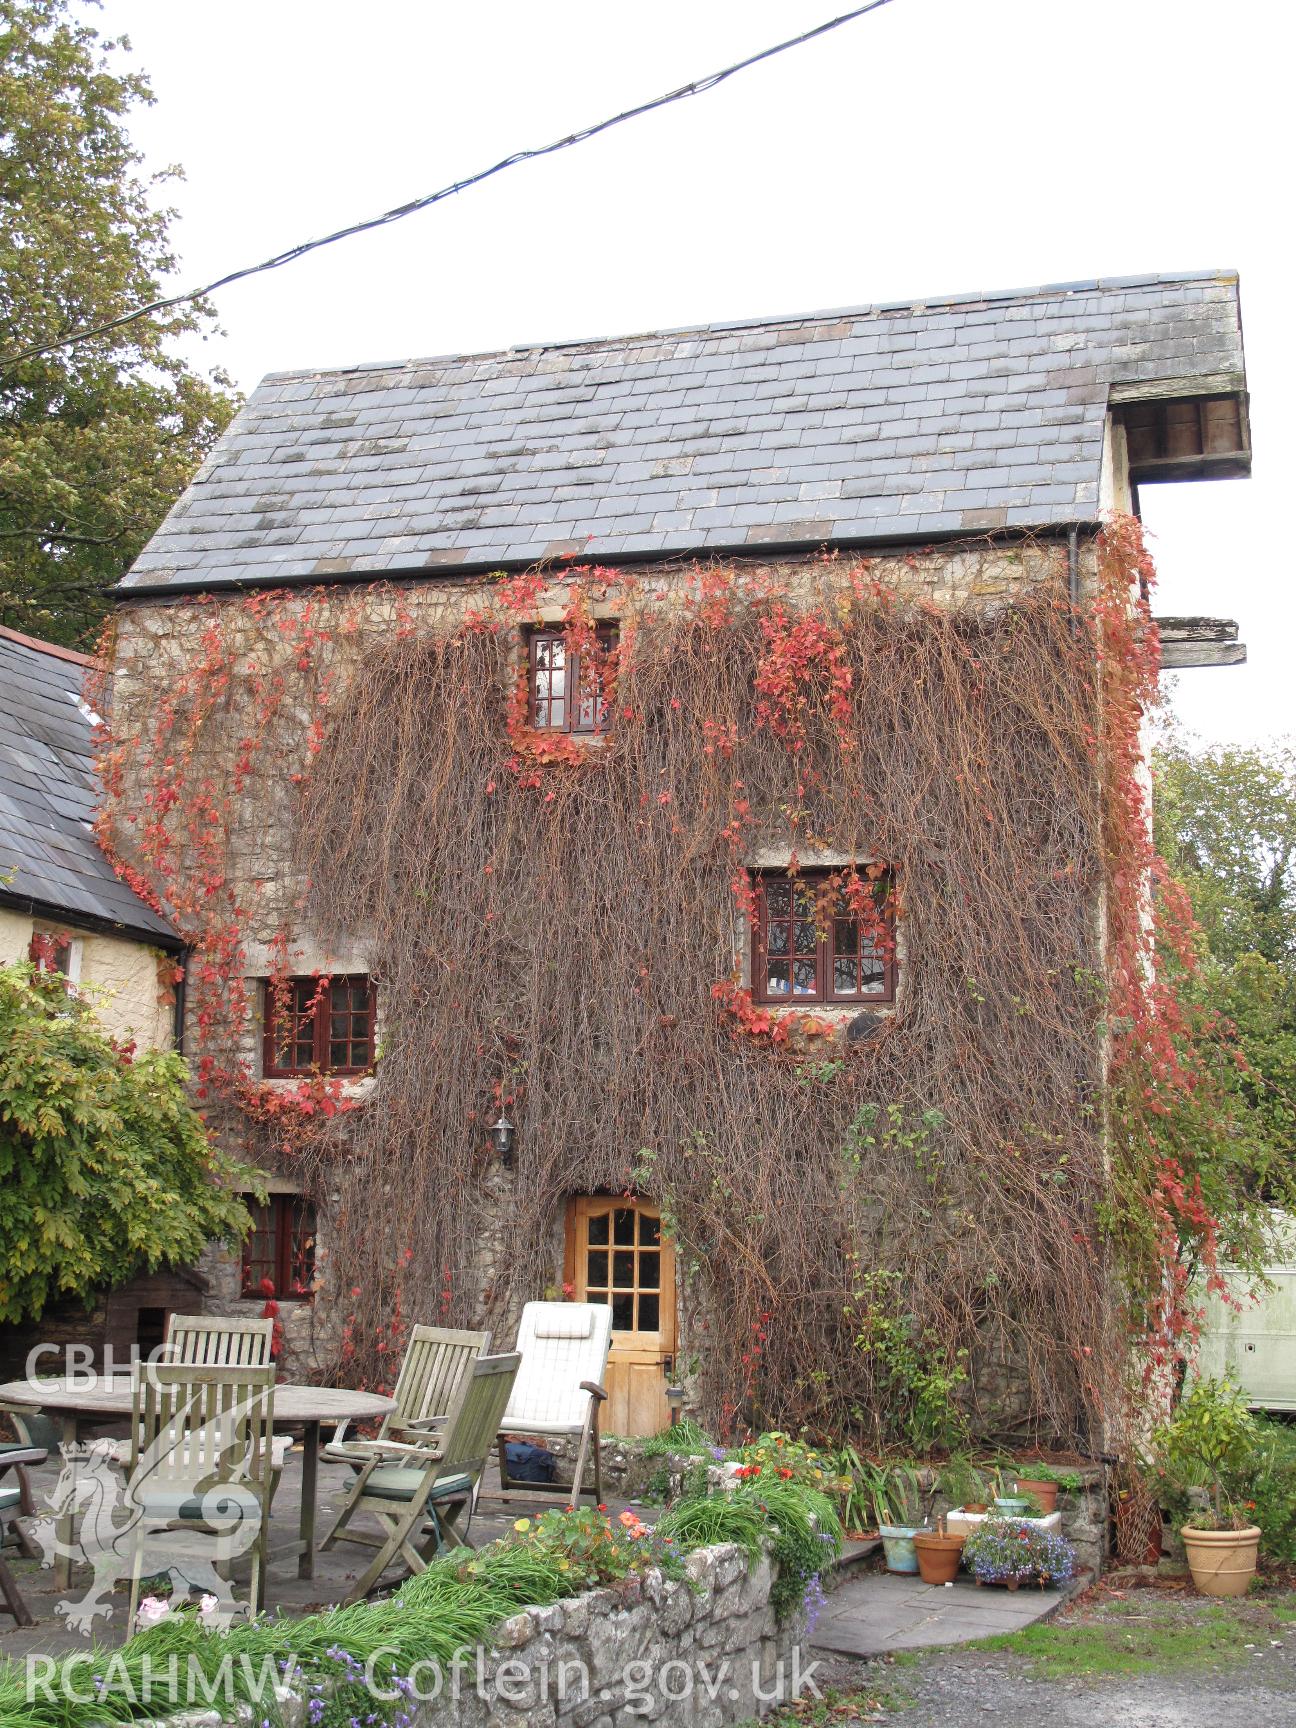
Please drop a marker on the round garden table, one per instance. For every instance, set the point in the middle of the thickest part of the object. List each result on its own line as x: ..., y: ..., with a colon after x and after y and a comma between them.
x: 87, y: 1400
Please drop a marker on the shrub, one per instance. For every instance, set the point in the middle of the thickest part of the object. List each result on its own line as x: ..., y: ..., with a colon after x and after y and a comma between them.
x: 105, y: 1168
x: 589, y: 1549
x: 1000, y: 1549
x: 799, y: 1520
x: 1271, y: 1489
x: 1211, y: 1441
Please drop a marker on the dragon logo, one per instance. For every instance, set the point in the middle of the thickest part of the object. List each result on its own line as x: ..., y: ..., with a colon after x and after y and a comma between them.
x: 169, y: 1517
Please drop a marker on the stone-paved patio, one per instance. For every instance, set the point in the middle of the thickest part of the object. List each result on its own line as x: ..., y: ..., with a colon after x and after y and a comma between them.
x: 875, y: 1613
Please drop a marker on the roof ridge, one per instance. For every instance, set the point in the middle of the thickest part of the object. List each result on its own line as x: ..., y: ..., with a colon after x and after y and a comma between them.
x: 55, y: 649
x: 914, y: 303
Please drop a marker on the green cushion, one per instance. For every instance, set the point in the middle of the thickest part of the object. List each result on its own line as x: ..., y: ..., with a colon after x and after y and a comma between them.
x: 392, y: 1482
x: 9, y: 1497
x: 227, y: 1505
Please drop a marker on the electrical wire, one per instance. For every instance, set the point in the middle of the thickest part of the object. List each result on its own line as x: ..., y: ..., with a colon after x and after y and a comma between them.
x: 697, y: 87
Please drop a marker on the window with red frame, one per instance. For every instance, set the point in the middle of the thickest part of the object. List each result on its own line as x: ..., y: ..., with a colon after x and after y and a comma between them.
x: 824, y: 936
x: 319, y: 1026
x: 281, y: 1248
x: 568, y: 684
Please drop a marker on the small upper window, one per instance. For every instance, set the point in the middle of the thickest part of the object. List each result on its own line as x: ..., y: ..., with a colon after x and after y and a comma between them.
x: 56, y: 951
x: 569, y: 685
x: 824, y: 936
x: 319, y: 1026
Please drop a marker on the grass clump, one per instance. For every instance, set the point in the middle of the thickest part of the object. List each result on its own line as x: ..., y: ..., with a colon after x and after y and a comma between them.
x: 1133, y: 1638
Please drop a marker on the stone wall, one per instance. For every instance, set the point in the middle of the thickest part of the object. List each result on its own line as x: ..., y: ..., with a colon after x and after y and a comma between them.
x: 702, y: 1653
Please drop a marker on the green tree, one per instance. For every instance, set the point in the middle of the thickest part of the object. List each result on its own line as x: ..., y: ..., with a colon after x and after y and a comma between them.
x: 1226, y: 827
x: 96, y: 440
x: 106, y: 1169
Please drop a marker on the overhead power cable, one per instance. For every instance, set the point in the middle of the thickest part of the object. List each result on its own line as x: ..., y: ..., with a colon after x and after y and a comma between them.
x: 696, y: 88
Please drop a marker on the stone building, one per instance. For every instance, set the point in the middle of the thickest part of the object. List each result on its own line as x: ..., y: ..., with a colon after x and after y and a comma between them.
x: 962, y: 453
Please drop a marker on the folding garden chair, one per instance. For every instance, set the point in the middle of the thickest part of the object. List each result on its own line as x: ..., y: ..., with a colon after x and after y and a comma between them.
x: 417, y: 1489
x: 433, y: 1378
x: 564, y: 1349
x: 212, y: 1341
x: 16, y: 1502
x: 201, y: 1464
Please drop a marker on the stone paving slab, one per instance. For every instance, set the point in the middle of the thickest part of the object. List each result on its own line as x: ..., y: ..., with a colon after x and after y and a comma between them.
x: 869, y: 1616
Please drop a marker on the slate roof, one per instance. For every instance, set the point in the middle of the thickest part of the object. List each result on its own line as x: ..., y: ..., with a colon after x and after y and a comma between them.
x: 48, y: 855
x: 891, y: 422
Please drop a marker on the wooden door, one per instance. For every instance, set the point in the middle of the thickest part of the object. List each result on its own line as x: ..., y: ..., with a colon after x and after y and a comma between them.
x: 616, y: 1253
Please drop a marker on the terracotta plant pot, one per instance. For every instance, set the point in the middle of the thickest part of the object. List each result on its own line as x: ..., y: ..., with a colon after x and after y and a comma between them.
x: 1045, y: 1492
x: 1222, y: 1562
x: 978, y: 1506
x: 938, y: 1556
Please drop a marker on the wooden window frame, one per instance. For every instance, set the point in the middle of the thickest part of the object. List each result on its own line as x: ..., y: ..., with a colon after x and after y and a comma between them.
x: 608, y: 636
x: 280, y: 1210
x: 322, y: 990
x: 825, y: 996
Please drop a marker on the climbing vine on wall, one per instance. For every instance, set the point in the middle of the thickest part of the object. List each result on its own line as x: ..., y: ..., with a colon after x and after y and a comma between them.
x: 556, y: 921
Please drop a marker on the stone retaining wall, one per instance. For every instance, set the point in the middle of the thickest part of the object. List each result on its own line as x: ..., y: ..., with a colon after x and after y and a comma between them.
x: 701, y: 1653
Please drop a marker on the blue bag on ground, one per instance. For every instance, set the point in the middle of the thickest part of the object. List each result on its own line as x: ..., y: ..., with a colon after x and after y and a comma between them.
x: 529, y: 1463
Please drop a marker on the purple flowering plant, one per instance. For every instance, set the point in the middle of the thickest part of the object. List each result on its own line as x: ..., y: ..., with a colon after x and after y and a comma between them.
x: 1002, y: 1549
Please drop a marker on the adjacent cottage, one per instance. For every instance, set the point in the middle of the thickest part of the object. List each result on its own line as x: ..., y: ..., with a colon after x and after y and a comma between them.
x: 63, y: 907
x: 659, y: 819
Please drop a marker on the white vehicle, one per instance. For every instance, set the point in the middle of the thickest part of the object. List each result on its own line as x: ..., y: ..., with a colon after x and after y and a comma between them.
x: 1254, y: 1344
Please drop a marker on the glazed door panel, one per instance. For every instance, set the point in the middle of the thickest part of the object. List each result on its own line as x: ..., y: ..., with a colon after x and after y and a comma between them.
x: 617, y: 1254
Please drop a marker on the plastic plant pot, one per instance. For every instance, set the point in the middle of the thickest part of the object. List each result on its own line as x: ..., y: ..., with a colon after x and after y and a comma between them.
x: 1222, y: 1562
x: 898, y: 1546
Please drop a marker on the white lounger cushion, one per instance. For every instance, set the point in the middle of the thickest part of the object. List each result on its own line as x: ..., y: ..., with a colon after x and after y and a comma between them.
x: 561, y: 1343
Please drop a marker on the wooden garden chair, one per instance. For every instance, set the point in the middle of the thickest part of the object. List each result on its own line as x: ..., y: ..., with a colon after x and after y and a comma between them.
x: 433, y: 1379
x: 16, y: 1502
x: 419, y: 1488
x: 564, y: 1349
x: 201, y: 1463
x: 212, y: 1341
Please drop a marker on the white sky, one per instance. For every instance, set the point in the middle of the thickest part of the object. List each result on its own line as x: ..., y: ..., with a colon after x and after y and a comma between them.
x: 935, y: 146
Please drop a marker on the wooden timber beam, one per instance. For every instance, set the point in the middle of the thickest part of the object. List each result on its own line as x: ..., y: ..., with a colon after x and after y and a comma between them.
x: 1199, y: 642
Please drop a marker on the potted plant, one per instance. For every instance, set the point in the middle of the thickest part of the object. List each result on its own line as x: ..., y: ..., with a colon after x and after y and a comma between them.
x: 1008, y: 1503
x: 892, y: 1489
x: 1209, y: 1443
x: 962, y: 1484
x: 1011, y: 1552
x: 1045, y: 1481
x: 1043, y: 1490
x: 938, y: 1553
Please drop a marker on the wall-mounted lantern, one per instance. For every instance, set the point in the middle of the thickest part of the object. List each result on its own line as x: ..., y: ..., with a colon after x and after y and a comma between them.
x: 502, y: 1133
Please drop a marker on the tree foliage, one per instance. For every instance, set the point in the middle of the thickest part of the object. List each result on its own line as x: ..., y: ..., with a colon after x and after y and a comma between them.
x: 106, y: 1170
x: 1226, y: 826
x: 96, y: 440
